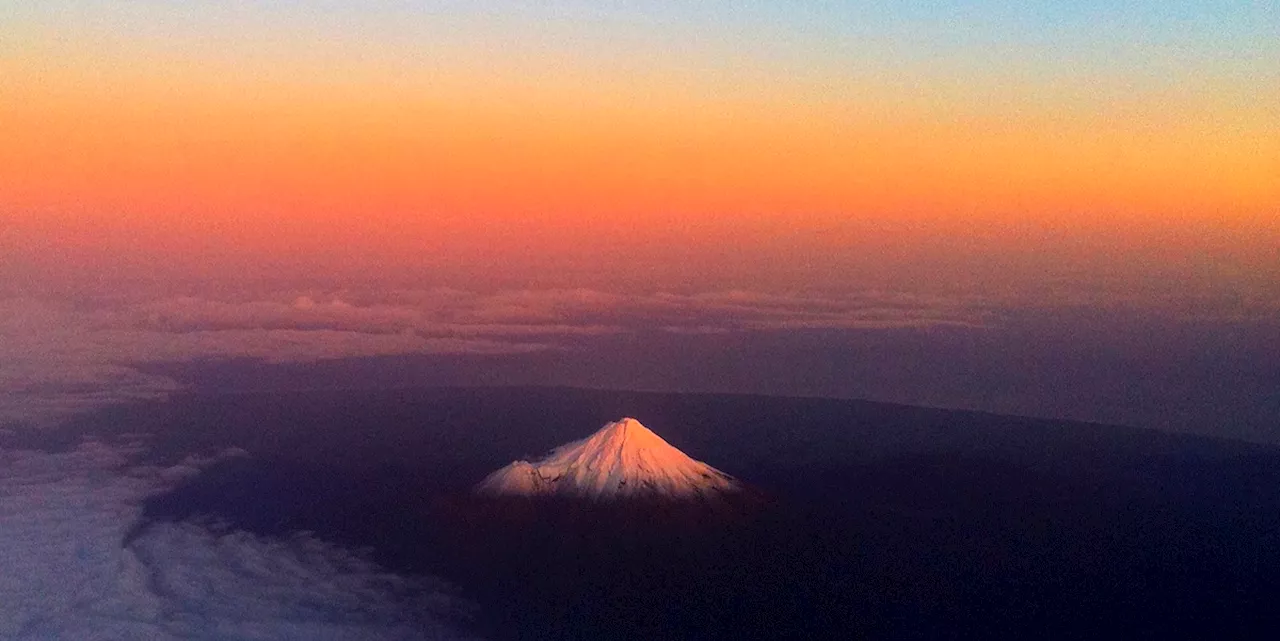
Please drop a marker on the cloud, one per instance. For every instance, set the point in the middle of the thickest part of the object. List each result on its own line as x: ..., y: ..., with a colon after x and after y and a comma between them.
x: 59, y: 358
x: 457, y: 317
x: 551, y: 313
x: 68, y: 574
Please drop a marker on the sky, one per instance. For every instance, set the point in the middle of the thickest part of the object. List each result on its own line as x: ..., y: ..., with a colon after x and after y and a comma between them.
x: 628, y: 145
x: 1017, y: 207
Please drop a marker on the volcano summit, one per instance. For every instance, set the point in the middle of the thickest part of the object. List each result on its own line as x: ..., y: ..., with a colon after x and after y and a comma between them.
x: 624, y: 459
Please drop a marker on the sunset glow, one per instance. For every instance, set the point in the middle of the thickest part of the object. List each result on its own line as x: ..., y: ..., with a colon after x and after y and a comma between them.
x: 443, y: 139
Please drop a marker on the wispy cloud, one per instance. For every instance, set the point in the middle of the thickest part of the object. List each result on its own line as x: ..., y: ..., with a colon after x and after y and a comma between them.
x: 68, y: 575
x: 58, y: 358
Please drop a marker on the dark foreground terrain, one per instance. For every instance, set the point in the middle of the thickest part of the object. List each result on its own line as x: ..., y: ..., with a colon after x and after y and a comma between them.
x: 872, y: 520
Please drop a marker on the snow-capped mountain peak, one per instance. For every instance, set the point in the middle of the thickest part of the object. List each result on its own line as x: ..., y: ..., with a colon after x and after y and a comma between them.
x: 622, y: 459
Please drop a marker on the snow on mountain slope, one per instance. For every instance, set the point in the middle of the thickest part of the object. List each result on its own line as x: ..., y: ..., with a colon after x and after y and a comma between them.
x: 624, y: 459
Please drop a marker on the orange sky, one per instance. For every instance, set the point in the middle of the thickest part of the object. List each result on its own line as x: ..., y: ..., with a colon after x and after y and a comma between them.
x: 123, y: 158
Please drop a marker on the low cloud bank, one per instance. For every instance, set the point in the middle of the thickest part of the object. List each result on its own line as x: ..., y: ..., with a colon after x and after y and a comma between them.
x: 68, y: 573
x: 58, y: 358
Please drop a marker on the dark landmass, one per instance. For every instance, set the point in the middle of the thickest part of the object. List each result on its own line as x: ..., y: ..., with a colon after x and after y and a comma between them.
x: 879, y: 521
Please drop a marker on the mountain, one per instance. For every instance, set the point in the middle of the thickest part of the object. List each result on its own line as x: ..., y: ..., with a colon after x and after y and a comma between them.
x: 624, y: 459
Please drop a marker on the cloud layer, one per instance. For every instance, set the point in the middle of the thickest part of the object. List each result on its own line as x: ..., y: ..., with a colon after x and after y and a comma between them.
x: 64, y: 518
x: 58, y: 358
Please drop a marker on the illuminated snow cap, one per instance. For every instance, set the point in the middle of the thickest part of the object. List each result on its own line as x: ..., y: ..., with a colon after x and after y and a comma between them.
x: 624, y: 459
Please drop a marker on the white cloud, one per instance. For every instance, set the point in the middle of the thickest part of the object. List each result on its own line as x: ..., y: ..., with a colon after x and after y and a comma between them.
x: 68, y: 574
